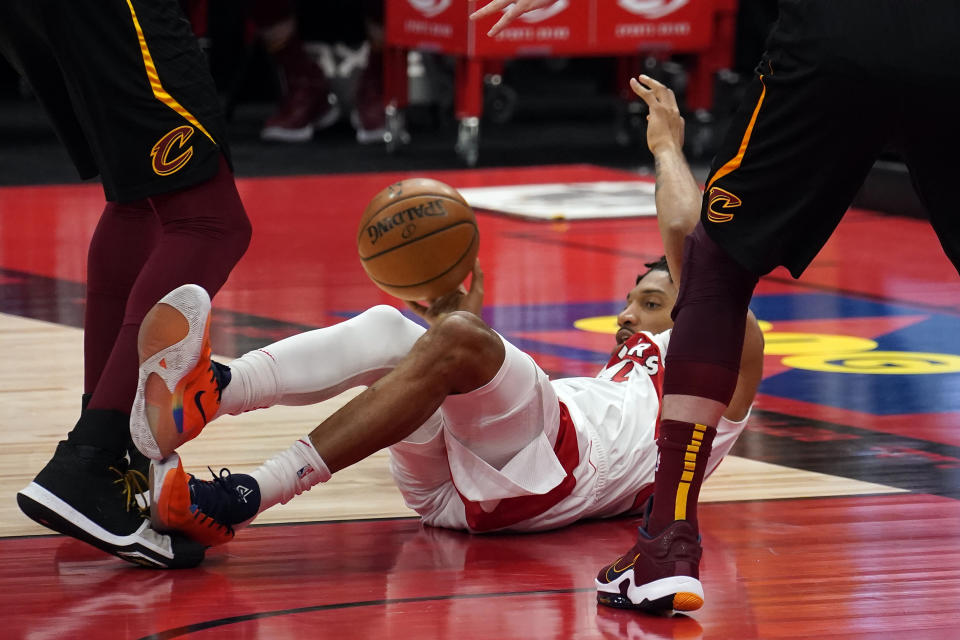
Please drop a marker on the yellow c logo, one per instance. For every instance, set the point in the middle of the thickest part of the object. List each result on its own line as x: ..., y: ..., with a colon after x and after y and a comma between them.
x: 726, y: 200
x: 163, y: 165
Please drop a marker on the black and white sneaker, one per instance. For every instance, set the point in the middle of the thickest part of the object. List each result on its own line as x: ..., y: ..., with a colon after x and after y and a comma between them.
x: 88, y: 494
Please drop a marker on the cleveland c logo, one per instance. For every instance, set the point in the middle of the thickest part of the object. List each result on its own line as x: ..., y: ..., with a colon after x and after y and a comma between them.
x: 173, y: 142
x: 726, y: 200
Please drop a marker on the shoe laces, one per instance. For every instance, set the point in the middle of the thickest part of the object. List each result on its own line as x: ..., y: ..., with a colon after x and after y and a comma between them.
x: 134, y: 483
x: 213, y: 499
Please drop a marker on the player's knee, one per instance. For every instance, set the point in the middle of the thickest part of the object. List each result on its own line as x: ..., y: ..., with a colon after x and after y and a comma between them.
x: 386, y: 320
x: 712, y: 276
x: 467, y: 351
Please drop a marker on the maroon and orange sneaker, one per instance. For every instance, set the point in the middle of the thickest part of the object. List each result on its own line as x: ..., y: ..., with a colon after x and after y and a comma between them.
x: 657, y: 575
x: 180, y: 386
x: 307, y: 107
x: 369, y: 114
x: 205, y: 511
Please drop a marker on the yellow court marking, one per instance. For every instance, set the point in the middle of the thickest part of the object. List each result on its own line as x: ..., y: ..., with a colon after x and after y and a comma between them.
x: 782, y: 343
x: 878, y: 363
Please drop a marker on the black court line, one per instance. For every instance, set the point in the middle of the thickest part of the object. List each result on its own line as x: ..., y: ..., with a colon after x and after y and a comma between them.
x: 221, y: 622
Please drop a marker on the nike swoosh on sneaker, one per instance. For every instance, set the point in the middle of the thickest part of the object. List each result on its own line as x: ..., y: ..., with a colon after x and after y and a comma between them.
x: 196, y: 400
x: 613, y: 573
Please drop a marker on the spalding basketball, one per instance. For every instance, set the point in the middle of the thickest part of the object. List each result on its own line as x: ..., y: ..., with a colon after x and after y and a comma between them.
x: 418, y: 239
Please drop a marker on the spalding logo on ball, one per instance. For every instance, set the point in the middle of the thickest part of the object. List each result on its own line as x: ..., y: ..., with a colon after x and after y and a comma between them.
x: 418, y: 239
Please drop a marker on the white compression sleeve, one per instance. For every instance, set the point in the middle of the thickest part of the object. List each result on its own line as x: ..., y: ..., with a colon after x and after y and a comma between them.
x: 317, y: 365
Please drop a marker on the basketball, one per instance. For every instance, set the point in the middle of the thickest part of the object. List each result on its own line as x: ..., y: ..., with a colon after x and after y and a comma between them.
x: 418, y: 239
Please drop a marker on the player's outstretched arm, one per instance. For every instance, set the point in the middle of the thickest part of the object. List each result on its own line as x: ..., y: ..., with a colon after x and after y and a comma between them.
x: 677, y: 193
x: 516, y: 9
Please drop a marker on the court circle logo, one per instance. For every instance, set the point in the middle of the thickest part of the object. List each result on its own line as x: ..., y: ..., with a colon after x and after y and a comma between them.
x: 176, y: 139
x: 430, y: 8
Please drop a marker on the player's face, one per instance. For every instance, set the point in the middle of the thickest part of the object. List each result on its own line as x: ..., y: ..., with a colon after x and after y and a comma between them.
x: 648, y: 306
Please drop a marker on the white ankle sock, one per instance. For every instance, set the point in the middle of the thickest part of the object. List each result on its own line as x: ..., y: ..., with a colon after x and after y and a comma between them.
x: 290, y: 473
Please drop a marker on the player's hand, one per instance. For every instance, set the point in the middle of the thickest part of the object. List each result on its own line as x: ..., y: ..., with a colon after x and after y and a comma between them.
x: 516, y: 9
x: 664, y: 124
x: 459, y: 300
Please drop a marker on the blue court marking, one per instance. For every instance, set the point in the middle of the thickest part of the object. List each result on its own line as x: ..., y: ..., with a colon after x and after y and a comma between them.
x: 823, y: 306
x: 884, y: 394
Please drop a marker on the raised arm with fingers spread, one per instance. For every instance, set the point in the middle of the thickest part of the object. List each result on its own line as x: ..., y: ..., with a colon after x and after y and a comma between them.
x: 516, y: 9
x: 678, y: 195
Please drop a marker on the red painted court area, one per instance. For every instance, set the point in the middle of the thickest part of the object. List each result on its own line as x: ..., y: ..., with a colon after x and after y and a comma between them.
x: 868, y: 566
x: 826, y: 568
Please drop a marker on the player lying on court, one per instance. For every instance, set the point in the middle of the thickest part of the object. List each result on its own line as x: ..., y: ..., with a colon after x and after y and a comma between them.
x: 479, y: 438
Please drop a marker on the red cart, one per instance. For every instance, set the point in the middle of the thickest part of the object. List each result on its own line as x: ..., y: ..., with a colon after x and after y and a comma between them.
x: 569, y: 28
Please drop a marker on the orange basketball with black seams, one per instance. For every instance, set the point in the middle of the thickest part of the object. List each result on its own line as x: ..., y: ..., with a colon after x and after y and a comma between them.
x: 418, y: 239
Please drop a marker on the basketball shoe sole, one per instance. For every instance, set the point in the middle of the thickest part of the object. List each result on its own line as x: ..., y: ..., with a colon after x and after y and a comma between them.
x: 657, y: 575
x: 178, y: 391
x: 82, y: 497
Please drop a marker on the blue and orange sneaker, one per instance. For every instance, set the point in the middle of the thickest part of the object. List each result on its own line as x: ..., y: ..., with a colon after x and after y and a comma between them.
x: 205, y: 511
x: 180, y: 387
x: 657, y: 575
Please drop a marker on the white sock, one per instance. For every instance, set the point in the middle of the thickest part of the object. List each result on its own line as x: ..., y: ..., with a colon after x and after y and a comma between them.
x: 317, y: 365
x: 290, y: 473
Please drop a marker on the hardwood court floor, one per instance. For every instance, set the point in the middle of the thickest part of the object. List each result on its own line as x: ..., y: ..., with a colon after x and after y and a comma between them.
x: 837, y: 517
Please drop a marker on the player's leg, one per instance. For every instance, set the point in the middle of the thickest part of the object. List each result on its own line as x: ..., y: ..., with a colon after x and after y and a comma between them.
x: 160, y: 137
x: 137, y: 86
x: 304, y: 369
x: 799, y: 149
x: 456, y: 355
x: 493, y: 460
x: 931, y: 128
x: 112, y: 269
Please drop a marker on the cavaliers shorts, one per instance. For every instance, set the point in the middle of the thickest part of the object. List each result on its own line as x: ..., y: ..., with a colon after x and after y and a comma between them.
x: 127, y: 88
x: 839, y: 82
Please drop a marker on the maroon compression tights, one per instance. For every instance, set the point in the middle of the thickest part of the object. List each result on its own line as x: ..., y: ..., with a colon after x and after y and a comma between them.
x: 140, y: 251
x: 703, y: 360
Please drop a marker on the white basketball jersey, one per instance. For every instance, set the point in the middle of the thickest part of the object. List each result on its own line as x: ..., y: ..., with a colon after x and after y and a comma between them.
x: 615, y: 416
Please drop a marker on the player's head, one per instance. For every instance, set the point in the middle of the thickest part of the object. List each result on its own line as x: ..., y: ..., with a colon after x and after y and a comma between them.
x: 649, y: 303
